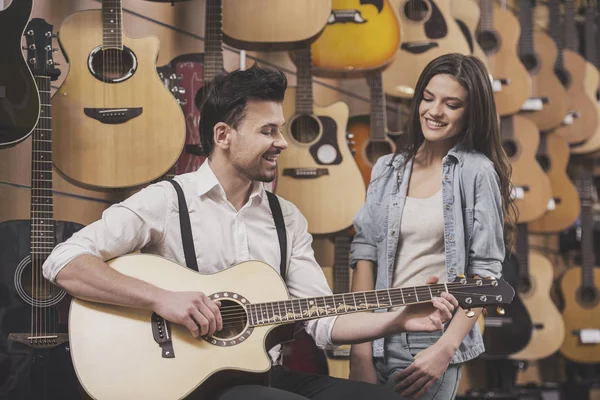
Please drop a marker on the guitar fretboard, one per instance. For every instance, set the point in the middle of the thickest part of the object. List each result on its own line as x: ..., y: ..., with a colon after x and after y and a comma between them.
x: 377, y: 121
x: 556, y: 32
x: 112, y: 24
x: 213, y: 44
x: 571, y: 41
x: 304, y: 92
x: 42, y: 208
x: 585, y: 188
x: 526, y: 21
x: 486, y: 18
x: 341, y: 264
x: 590, y: 34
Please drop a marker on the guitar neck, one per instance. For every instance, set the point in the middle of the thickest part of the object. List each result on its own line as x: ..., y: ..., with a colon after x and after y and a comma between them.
x: 526, y: 46
x: 304, y: 92
x: 486, y: 16
x: 522, y: 249
x: 42, y: 208
x: 213, y: 44
x: 570, y: 32
x: 556, y: 32
x: 377, y: 121
x: 112, y: 24
x: 341, y: 273
x: 587, y: 227
x: 590, y: 34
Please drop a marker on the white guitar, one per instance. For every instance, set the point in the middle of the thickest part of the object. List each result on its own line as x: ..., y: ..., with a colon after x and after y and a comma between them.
x: 126, y: 353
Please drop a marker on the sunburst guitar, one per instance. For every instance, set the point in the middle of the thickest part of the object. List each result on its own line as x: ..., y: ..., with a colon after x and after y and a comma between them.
x: 116, y: 124
x: 317, y: 171
x: 428, y: 31
x: 360, y: 36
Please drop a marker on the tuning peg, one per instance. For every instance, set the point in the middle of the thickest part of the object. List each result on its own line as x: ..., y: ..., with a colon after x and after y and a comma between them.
x: 470, y: 313
x: 500, y: 310
x: 181, y: 90
x: 491, y: 278
x: 461, y: 276
x: 30, y: 32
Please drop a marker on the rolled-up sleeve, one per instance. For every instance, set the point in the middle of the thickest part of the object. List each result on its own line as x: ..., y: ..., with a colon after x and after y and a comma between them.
x: 486, y: 252
x: 124, y: 228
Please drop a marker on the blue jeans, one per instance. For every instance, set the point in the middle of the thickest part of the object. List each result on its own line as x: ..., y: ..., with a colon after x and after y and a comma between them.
x: 400, y: 351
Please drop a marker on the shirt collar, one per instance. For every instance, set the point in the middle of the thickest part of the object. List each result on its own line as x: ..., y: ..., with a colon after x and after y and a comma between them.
x: 457, y: 152
x: 207, y: 182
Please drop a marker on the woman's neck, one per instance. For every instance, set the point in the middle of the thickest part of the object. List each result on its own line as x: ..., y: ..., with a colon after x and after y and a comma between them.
x: 432, y: 153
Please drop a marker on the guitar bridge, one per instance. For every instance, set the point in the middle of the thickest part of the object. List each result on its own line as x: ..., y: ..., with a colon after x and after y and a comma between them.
x: 47, y: 341
x: 113, y: 115
x: 305, y: 173
x: 161, y: 330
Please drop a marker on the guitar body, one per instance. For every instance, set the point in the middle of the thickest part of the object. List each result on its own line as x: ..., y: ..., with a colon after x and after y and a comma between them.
x: 545, y: 84
x: 504, y: 62
x: 303, y: 355
x: 567, y: 204
x: 466, y: 13
x: 578, y: 315
x: 114, y: 154
x: 32, y: 373
x: 361, y: 37
x: 275, y: 24
x: 526, y: 172
x: 327, y: 205
x: 582, y: 100
x: 435, y: 34
x: 591, y: 83
x: 19, y: 99
x: 548, y: 327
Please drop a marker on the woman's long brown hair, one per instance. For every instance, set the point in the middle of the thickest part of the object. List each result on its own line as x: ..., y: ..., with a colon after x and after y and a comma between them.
x: 482, y: 130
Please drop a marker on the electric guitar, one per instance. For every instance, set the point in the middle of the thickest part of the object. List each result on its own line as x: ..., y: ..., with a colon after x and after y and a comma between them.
x: 531, y: 186
x: 116, y: 124
x: 141, y: 354
x: 498, y: 34
x: 580, y: 287
x: 318, y: 158
x: 360, y: 36
x: 535, y: 284
x: 19, y: 99
x: 428, y: 31
x: 33, y: 312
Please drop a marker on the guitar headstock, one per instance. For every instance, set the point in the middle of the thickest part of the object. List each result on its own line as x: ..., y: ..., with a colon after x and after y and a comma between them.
x: 171, y: 79
x: 38, y: 36
x: 480, y: 292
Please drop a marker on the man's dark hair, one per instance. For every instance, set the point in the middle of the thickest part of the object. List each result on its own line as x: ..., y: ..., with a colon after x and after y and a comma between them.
x: 228, y: 94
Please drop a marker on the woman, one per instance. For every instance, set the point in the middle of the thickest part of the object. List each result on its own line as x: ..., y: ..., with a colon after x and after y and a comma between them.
x: 435, y: 207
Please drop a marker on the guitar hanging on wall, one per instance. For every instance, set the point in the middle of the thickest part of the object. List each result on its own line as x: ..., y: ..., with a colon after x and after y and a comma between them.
x: 19, y: 100
x: 33, y: 311
x: 116, y: 124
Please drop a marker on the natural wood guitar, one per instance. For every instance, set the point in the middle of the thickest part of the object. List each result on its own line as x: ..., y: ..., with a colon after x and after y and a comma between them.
x: 498, y: 34
x: 359, y: 37
x: 116, y: 124
x: 467, y: 15
x: 580, y: 289
x: 428, y: 31
x: 548, y: 104
x: 531, y: 187
x: 317, y: 171
x: 535, y: 284
x: 571, y: 68
x: 274, y: 24
x: 563, y: 209
x: 144, y: 356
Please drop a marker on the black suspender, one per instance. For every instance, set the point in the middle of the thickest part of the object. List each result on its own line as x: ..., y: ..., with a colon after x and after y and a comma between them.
x: 188, y: 241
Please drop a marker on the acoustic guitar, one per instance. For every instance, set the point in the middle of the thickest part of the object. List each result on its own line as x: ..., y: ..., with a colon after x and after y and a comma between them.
x: 359, y: 37
x: 563, y: 209
x: 531, y: 187
x: 548, y: 104
x: 33, y: 312
x: 274, y: 24
x: 369, y: 132
x: 580, y: 287
x: 160, y: 360
x: 428, y: 31
x: 498, y: 34
x: 318, y: 159
x: 571, y: 68
x: 467, y: 15
x: 535, y: 284
x: 19, y: 99
x: 592, y: 79
x: 116, y: 124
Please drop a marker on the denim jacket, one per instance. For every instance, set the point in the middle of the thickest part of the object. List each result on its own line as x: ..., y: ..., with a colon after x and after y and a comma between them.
x: 473, y: 225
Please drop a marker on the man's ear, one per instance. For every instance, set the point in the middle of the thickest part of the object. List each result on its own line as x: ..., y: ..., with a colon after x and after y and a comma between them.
x: 222, y: 135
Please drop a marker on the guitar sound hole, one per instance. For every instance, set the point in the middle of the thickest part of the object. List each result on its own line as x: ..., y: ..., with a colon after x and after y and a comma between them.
x: 112, y: 65
x: 524, y: 284
x: 416, y: 10
x: 305, y: 129
x: 544, y: 162
x: 510, y: 148
x: 530, y: 62
x: 377, y: 149
x: 564, y: 77
x: 234, y: 320
x: 488, y: 41
x: 33, y: 288
x: 588, y: 297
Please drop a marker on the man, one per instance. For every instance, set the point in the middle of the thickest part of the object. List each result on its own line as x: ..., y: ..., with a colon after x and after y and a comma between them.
x: 231, y: 220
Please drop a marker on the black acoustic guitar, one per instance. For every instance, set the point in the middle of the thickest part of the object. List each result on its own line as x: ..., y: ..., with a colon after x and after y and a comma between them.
x: 34, y: 359
x: 19, y: 101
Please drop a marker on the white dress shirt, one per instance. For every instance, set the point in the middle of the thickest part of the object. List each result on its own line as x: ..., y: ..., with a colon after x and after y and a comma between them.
x: 149, y: 221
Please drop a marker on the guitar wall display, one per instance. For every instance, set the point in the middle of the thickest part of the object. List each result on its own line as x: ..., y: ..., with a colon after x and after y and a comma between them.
x: 116, y: 124
x: 19, y: 99
x: 33, y: 311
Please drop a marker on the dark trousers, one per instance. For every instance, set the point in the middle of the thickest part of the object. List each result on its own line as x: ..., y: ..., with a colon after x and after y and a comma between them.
x: 291, y: 385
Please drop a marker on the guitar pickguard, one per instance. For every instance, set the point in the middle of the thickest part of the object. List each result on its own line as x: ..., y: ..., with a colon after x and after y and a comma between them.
x: 319, y: 152
x: 435, y: 27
